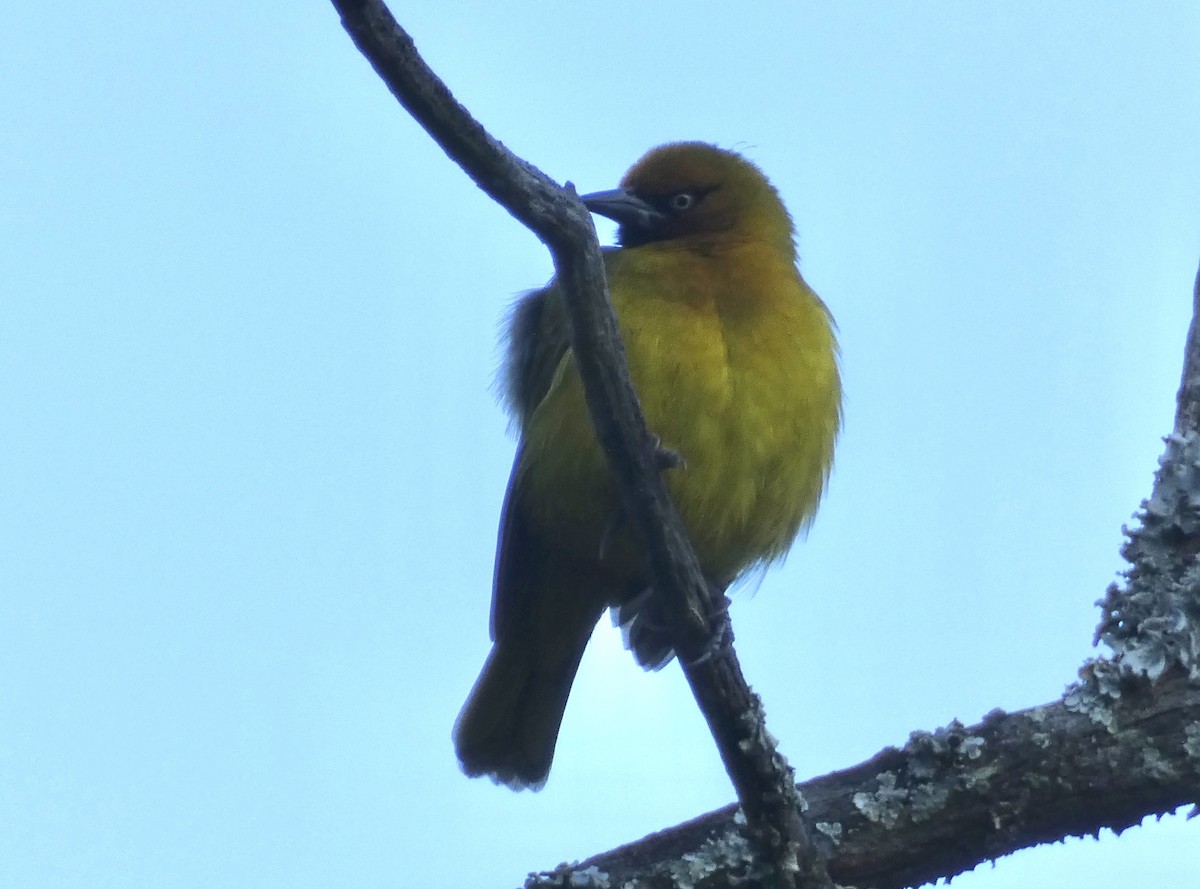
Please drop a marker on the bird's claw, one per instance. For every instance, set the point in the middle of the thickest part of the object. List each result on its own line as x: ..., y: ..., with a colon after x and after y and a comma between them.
x: 721, y: 630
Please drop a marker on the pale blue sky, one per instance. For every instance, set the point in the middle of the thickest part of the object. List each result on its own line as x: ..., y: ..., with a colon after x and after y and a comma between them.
x: 251, y: 463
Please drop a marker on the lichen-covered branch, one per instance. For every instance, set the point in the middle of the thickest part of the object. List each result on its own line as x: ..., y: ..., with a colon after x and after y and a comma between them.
x: 958, y: 796
x: 761, y: 777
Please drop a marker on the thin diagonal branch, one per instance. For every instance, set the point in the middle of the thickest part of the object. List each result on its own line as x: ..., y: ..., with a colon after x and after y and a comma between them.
x: 760, y: 775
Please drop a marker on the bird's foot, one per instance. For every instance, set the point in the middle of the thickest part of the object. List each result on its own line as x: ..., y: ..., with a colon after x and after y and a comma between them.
x: 721, y: 629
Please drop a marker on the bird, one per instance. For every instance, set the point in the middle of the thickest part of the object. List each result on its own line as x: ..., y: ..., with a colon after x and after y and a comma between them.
x: 735, y: 362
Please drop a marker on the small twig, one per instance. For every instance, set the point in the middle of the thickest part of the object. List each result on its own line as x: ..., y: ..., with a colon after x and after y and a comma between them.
x: 1187, y: 411
x: 760, y: 775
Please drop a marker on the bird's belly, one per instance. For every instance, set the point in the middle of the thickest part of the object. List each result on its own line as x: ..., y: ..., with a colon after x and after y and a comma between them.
x: 750, y: 438
x: 753, y: 414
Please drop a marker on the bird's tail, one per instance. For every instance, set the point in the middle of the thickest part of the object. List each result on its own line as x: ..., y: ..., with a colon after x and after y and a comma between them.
x: 509, y: 725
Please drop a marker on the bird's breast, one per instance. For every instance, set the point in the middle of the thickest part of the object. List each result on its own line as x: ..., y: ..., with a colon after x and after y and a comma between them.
x: 735, y: 366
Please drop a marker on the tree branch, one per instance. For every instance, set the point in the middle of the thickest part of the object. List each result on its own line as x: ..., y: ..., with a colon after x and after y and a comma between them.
x: 958, y: 796
x: 761, y: 776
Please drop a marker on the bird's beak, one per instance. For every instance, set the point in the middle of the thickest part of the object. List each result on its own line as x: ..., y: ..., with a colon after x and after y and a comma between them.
x: 624, y: 207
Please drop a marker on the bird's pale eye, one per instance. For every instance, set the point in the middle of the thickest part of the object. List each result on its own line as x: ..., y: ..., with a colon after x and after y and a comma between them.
x: 681, y: 202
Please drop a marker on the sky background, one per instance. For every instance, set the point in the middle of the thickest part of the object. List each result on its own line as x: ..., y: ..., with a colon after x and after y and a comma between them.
x: 251, y: 460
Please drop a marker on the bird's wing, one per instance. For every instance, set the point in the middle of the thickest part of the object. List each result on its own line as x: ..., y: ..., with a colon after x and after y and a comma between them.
x: 513, y: 554
x: 537, y: 341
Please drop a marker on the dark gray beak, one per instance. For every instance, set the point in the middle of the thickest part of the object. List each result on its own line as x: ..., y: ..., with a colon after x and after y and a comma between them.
x: 623, y: 207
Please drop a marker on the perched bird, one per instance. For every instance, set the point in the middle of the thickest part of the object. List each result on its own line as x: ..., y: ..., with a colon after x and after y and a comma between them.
x: 734, y: 360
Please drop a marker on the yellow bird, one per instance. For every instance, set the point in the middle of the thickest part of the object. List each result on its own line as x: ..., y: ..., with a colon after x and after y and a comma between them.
x: 735, y: 362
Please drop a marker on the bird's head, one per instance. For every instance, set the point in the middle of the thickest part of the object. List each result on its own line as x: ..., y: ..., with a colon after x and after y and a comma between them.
x: 695, y: 194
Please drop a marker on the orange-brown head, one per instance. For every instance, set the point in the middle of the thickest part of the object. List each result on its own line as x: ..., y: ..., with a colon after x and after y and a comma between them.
x: 693, y: 194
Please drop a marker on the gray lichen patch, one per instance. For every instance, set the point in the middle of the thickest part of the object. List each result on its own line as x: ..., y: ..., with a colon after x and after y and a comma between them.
x: 931, y: 752
x: 1156, y: 765
x: 886, y: 805
x: 1092, y: 697
x: 1151, y: 620
x: 831, y: 829
x: 1191, y: 743
x: 933, y: 772
x: 729, y: 851
x: 568, y: 876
